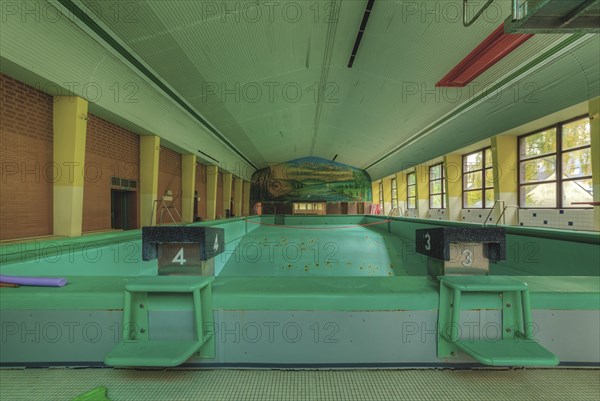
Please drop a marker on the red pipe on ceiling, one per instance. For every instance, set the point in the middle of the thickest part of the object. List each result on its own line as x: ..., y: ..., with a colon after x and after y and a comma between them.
x: 493, y: 49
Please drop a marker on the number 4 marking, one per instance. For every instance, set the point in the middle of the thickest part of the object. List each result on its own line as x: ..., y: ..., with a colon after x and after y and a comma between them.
x: 216, y: 245
x: 179, y: 258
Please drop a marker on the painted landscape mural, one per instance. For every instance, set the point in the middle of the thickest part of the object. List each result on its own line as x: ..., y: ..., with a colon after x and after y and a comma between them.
x: 311, y: 179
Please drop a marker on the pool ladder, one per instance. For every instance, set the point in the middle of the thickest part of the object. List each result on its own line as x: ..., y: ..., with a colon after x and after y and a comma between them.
x: 138, y: 347
x: 399, y: 212
x: 502, y: 215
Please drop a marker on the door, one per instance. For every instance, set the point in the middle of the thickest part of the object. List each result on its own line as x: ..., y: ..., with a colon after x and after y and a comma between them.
x: 123, y: 209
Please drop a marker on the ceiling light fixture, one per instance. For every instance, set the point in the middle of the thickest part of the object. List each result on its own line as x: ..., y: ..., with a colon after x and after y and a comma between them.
x: 361, y: 31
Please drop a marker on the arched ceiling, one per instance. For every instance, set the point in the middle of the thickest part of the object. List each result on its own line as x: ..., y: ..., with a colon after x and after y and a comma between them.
x: 253, y: 70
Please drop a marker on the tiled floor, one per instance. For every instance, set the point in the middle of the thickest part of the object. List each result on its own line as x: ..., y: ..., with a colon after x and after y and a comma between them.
x: 276, y: 385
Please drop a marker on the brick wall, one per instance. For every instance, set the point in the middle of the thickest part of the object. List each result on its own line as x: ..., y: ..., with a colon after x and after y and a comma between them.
x: 201, y: 188
x: 169, y: 178
x: 110, y: 151
x: 26, y: 156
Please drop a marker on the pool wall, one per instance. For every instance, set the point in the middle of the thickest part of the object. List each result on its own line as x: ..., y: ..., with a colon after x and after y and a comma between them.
x: 530, y: 251
x: 106, y: 254
x: 292, y: 322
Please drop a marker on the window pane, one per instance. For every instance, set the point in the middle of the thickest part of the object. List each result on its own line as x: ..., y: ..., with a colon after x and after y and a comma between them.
x: 539, y: 169
x: 577, y: 191
x: 538, y: 144
x: 488, y: 158
x: 489, y: 178
x: 474, y: 161
x: 436, y: 201
x: 538, y: 195
x: 411, y: 179
x: 412, y: 203
x: 412, y: 191
x: 577, y: 163
x: 473, y: 199
x: 489, y: 198
x: 435, y: 172
x: 473, y: 180
x: 576, y: 134
x: 393, y: 183
x: 435, y: 187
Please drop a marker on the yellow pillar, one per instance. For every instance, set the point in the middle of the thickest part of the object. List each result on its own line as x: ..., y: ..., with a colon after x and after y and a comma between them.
x: 227, y: 180
x: 237, y: 201
x: 375, y: 191
x: 188, y: 186
x: 246, y: 199
x: 70, y: 124
x: 453, y: 178
x: 504, y: 157
x: 212, y: 174
x: 387, y: 195
x: 594, y: 111
x: 422, y: 178
x: 401, y: 187
x: 149, y: 157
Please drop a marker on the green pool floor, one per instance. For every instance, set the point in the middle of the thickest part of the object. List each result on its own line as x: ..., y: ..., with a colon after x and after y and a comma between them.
x: 322, y: 251
x: 276, y: 385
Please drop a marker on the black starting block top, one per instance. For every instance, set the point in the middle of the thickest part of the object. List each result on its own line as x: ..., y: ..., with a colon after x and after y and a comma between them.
x: 211, y: 240
x: 435, y: 242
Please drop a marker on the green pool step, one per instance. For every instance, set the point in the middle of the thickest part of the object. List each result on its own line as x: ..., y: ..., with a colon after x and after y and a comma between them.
x: 136, y: 348
x: 508, y: 352
x: 152, y: 353
x: 516, y: 347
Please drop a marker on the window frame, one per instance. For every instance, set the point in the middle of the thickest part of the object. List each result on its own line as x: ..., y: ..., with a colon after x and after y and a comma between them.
x: 408, y: 185
x: 558, y: 171
x: 483, y: 171
x: 442, y: 179
x: 394, y: 185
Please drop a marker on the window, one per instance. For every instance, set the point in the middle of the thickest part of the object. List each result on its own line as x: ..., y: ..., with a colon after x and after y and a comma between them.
x: 555, y: 166
x: 478, y: 180
x: 437, y: 187
x: 394, y: 193
x: 381, y: 196
x: 411, y: 191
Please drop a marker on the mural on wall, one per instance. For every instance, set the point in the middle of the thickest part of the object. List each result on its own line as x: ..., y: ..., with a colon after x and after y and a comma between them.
x: 311, y: 179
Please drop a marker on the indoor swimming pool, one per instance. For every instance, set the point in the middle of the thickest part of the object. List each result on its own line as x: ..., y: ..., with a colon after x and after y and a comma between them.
x: 306, y: 250
x: 366, y: 300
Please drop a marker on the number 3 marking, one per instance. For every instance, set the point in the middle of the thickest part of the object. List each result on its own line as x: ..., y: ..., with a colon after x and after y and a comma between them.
x: 427, y: 242
x: 468, y: 258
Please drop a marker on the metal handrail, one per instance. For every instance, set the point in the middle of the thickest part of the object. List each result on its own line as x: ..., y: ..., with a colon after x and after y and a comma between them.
x: 517, y: 208
x: 487, y: 218
x: 472, y: 20
x: 519, y: 9
x: 502, y: 213
x: 398, y: 209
